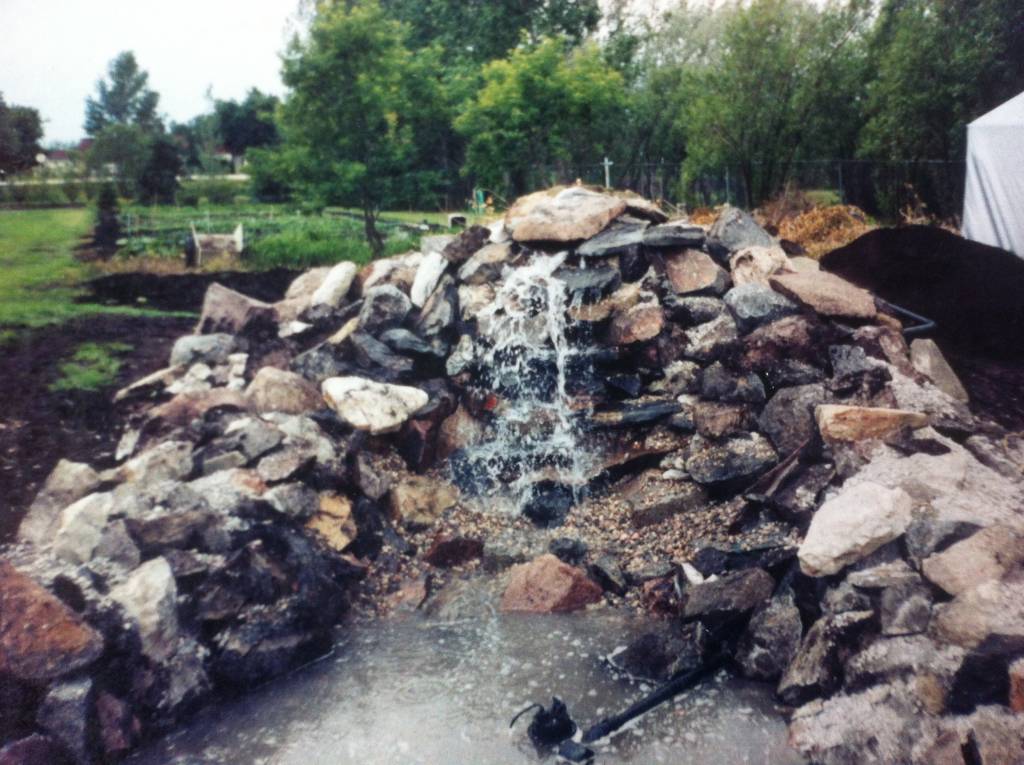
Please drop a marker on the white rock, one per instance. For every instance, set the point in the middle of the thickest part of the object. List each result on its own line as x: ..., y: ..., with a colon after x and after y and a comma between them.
x: 335, y: 286
x: 368, y: 405
x: 856, y: 522
x: 149, y: 598
x: 69, y: 482
x: 427, y: 276
x: 81, y: 527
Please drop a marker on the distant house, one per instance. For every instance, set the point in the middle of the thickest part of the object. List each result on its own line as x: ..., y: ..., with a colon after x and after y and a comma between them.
x: 65, y: 160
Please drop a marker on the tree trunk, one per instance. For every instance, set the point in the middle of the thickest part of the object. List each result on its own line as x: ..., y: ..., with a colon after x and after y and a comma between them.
x: 373, y: 237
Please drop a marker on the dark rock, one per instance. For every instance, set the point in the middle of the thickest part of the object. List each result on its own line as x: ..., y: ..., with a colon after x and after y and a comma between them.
x: 405, y: 342
x: 662, y: 655
x: 590, y: 284
x: 928, y: 534
x: 735, y: 230
x: 675, y: 233
x: 663, y: 596
x: 797, y: 498
x: 712, y: 340
x: 814, y: 671
x: 466, y: 244
x: 691, y: 311
x: 624, y: 385
x: 728, y: 598
x: 372, y: 353
x: 714, y: 420
x: 66, y: 715
x: 448, y: 551
x: 614, y: 240
x: 718, y: 384
x: 34, y: 750
x: 438, y: 314
x: 119, y: 729
x: 755, y: 305
x: 383, y: 308
x: 714, y: 559
x: 633, y: 265
x: 229, y: 312
x: 788, y: 418
x: 853, y: 373
x: 607, y: 573
x: 568, y: 550
x: 549, y: 504
x: 732, y: 459
x: 905, y: 610
x: 638, y: 413
x: 772, y: 638
x: 321, y: 362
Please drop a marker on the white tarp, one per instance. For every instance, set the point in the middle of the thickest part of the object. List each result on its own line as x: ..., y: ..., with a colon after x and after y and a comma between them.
x: 994, y: 195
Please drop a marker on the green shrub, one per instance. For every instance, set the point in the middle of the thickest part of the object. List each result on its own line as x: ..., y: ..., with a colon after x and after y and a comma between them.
x: 93, y: 366
x: 211, y: 191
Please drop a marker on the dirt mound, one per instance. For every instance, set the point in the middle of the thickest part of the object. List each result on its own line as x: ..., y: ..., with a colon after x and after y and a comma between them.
x: 184, y: 292
x: 972, y: 290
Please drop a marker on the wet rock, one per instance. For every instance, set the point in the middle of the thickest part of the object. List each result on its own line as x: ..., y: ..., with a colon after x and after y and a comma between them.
x: 675, y: 233
x: 547, y: 585
x: 991, y: 614
x: 814, y: 671
x: 336, y: 285
x: 989, y: 554
x: 209, y: 349
x: 589, y: 285
x: 625, y: 385
x: 276, y: 390
x: 637, y: 324
x: 714, y: 420
x: 693, y: 271
x: 734, y: 230
x: 711, y: 340
x: 439, y: 311
x: 448, y: 551
x: 383, y: 308
x: 403, y: 341
x: 41, y: 639
x: 662, y: 655
x: 732, y: 459
x: 718, y: 384
x: 731, y: 597
x: 462, y: 247
x: 65, y: 714
x: 754, y: 265
x: 929, y: 361
x: 679, y: 377
x: 417, y: 501
x: 826, y: 294
x: 638, y: 412
x: 486, y: 265
x: 691, y: 311
x: 428, y: 275
x: 854, y: 523
x: 67, y: 483
x: 615, y: 240
x: 378, y: 358
x: 788, y: 418
x: 549, y: 504
x: 652, y: 499
x: 754, y: 305
x: 838, y: 423
x: 232, y: 313
x: 607, y: 573
x: 371, y: 406
x: 565, y: 215
x: 149, y: 598
x: 772, y: 638
x: 334, y: 521
x: 568, y: 550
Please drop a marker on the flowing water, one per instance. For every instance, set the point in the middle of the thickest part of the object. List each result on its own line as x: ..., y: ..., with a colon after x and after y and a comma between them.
x: 442, y: 693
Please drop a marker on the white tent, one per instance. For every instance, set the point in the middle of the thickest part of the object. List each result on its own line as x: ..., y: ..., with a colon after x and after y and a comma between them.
x: 994, y: 195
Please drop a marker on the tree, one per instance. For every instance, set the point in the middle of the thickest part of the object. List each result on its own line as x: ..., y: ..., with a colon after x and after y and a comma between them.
x: 351, y: 117
x: 21, y: 129
x: 123, y: 100
x: 548, y: 104
x: 121, y: 151
x: 107, y: 229
x: 197, y: 141
x: 247, y: 124
x: 158, y: 179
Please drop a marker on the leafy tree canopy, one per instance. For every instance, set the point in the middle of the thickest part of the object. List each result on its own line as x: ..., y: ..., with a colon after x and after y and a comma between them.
x: 247, y: 124
x: 124, y: 98
x: 21, y: 129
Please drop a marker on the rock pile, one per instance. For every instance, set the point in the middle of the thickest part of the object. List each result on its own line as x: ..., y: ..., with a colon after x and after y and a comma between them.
x: 290, y: 448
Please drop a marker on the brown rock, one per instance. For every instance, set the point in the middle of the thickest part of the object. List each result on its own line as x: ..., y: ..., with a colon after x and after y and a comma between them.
x: 546, y: 585
x: 41, y: 639
x: 186, y: 407
x: 1016, y: 672
x: 661, y: 596
x: 275, y: 390
x: 789, y: 338
x: 947, y: 749
x: 989, y: 554
x: 447, y: 551
x: 225, y: 310
x: 694, y: 271
x: 637, y: 324
x: 754, y: 265
x: 459, y: 430
x: 998, y: 736
x: 826, y: 294
x: 991, y: 613
x: 861, y: 423
x: 417, y: 501
x: 334, y: 521
x: 460, y: 249
x: 714, y: 420
x: 562, y: 215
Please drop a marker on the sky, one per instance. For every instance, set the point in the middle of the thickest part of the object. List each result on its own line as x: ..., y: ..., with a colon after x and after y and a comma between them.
x: 52, y: 52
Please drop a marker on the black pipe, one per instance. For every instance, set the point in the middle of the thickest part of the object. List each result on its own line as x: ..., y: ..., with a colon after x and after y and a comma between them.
x: 924, y: 323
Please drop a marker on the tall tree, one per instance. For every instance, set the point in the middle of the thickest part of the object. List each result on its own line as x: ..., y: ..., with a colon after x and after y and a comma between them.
x: 247, y: 124
x: 21, y: 129
x: 123, y: 99
x: 351, y: 117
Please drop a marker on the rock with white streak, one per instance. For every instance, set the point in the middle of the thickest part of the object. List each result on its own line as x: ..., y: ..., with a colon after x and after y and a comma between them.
x: 149, y: 599
x: 372, y: 406
x: 335, y: 286
x: 431, y: 269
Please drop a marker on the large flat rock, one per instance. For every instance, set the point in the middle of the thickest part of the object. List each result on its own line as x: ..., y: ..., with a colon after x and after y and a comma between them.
x: 565, y: 215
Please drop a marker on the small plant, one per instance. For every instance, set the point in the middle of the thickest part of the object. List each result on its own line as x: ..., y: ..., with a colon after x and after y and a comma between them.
x: 92, y: 367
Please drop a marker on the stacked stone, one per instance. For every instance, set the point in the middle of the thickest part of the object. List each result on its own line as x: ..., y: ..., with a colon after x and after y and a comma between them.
x: 287, y: 444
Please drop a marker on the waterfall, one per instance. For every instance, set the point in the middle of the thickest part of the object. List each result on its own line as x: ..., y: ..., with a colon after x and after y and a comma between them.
x: 527, y: 361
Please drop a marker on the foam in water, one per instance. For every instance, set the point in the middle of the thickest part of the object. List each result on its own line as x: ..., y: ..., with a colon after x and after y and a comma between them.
x: 526, y: 360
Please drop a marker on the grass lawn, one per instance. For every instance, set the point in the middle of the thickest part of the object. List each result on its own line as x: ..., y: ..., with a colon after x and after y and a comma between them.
x: 39, y: 275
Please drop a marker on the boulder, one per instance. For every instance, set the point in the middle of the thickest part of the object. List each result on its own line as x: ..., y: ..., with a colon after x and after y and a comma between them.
x: 991, y: 614
x: 371, y: 406
x: 692, y: 271
x: 714, y: 420
x: 905, y: 609
x: 711, y: 340
x: 149, y: 599
x: 741, y: 458
x: 417, y: 501
x: 754, y: 265
x: 753, y: 304
x: 462, y: 247
x: 675, y: 234
x: 815, y: 670
x: 41, y: 639
x: 730, y: 597
x: 229, y: 312
x: 691, y: 311
x: 562, y: 215
x: 852, y: 524
x: 615, y: 240
x: 439, y: 311
x: 588, y: 285
x: 67, y: 483
x: 378, y: 358
x: 447, y: 551
x: 838, y: 423
x: 208, y: 349
x: 184, y: 408
x: 788, y: 417
x: 334, y: 288
x: 929, y: 361
x: 547, y: 585
x: 277, y: 390
x: 305, y: 284
x: 989, y: 554
x: 637, y: 324
x: 428, y: 275
x: 486, y: 265
x: 293, y: 500
x: 679, y: 377
x: 719, y: 384
x: 772, y: 638
x: 826, y: 294
x: 735, y: 230
x: 83, y: 528
x: 398, y: 271
x: 384, y: 307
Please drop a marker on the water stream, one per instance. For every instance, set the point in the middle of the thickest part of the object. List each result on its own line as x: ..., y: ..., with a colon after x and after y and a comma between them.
x: 442, y: 693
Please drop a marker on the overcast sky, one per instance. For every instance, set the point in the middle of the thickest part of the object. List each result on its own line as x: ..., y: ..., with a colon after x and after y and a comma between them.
x: 53, y: 51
